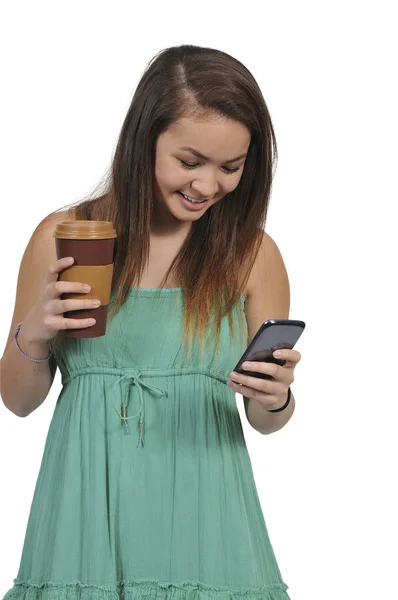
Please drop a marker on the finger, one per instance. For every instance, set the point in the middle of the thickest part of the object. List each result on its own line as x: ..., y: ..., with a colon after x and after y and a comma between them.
x: 278, y: 374
x: 55, y: 268
x: 273, y: 394
x: 290, y: 356
x: 255, y: 383
x: 267, y: 368
x: 77, y: 323
x: 57, y: 288
x: 64, y: 306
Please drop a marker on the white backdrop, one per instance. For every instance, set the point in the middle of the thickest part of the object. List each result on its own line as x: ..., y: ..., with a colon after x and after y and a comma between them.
x: 327, y: 72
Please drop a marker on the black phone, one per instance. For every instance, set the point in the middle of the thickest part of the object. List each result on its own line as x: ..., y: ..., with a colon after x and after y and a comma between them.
x: 274, y: 334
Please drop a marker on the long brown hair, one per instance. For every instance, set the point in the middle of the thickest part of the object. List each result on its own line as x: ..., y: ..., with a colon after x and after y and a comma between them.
x: 189, y: 81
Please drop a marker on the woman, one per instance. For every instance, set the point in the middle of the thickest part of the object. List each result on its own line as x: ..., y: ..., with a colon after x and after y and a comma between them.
x: 169, y: 510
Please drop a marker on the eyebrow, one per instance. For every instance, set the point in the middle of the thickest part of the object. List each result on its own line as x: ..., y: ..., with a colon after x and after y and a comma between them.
x: 199, y: 155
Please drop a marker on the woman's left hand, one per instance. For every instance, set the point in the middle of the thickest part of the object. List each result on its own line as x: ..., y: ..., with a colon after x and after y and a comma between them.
x: 271, y: 393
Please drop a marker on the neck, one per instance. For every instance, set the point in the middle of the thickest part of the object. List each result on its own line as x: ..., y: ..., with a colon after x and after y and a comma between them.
x: 163, y: 226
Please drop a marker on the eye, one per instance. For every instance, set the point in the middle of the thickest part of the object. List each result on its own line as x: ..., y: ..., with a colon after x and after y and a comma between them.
x: 192, y: 166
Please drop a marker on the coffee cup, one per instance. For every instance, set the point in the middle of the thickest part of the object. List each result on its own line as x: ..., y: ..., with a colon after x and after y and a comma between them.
x: 92, y: 245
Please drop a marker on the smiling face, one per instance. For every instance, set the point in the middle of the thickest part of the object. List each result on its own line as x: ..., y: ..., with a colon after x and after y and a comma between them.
x: 209, y: 178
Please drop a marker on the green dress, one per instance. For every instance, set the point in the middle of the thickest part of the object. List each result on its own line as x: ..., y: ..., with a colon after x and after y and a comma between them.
x: 146, y: 490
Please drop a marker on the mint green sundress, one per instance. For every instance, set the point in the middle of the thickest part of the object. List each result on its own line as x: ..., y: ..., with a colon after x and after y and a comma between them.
x: 145, y: 489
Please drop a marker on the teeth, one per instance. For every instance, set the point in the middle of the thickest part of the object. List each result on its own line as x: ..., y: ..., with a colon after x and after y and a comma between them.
x: 192, y: 199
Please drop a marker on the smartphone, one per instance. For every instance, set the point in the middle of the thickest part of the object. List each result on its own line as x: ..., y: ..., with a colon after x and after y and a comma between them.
x: 274, y: 334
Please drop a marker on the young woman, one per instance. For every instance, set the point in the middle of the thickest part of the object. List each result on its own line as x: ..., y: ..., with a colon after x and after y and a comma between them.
x: 169, y: 510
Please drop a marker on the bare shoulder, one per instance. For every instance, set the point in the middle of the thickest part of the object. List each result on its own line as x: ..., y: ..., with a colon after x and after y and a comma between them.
x: 39, y: 253
x: 49, y: 222
x: 268, y: 290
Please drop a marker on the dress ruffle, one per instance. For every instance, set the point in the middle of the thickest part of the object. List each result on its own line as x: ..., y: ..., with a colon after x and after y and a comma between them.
x: 142, y: 590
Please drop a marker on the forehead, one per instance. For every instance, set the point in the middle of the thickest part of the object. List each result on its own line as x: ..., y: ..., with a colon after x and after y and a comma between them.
x: 217, y: 137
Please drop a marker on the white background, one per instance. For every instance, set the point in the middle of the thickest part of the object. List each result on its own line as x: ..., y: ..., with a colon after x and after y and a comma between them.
x: 327, y: 72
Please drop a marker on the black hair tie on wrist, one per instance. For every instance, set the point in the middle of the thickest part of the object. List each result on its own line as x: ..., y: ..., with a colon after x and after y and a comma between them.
x: 289, y: 393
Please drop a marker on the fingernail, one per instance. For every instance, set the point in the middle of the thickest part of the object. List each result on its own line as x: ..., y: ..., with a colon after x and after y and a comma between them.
x: 277, y: 354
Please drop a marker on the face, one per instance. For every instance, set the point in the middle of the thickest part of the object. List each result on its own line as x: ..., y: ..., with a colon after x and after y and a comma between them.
x: 208, y: 178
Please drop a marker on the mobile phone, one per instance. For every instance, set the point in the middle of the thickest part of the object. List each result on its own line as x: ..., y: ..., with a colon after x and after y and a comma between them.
x: 272, y: 335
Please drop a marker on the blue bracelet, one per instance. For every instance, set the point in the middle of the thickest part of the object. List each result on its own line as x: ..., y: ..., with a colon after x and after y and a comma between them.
x: 37, y: 360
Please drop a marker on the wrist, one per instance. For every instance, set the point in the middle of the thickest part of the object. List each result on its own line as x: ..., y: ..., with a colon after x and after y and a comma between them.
x: 284, y: 405
x: 265, y: 421
x: 37, y: 349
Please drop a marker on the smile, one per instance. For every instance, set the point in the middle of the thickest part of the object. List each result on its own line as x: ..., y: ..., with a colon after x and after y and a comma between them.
x: 194, y: 200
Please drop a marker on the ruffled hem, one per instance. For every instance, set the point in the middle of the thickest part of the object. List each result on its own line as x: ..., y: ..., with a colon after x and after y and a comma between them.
x: 142, y: 590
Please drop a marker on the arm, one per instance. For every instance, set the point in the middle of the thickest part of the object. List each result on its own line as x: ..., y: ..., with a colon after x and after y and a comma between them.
x: 268, y: 297
x: 24, y: 384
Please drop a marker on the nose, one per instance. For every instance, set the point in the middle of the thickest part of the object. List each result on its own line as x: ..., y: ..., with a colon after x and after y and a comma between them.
x: 205, y: 187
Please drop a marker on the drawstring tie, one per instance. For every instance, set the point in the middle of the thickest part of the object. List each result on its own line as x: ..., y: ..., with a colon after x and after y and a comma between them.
x: 136, y: 380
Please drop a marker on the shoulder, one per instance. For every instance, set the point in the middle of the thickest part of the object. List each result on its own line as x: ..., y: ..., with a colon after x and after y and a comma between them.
x: 47, y: 223
x: 41, y: 244
x: 268, y: 290
x: 45, y: 229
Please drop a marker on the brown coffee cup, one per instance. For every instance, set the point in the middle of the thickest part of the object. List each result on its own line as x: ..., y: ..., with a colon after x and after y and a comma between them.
x: 92, y: 245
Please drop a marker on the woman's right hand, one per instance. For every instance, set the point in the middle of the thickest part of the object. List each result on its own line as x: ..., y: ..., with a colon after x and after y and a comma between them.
x: 46, y: 318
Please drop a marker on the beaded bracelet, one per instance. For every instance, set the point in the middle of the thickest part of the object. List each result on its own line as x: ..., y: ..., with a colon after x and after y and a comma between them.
x: 289, y: 393
x: 37, y: 360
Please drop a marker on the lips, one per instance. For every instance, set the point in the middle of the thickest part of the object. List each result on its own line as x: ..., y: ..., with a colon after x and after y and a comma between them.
x: 197, y: 199
x: 192, y: 206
